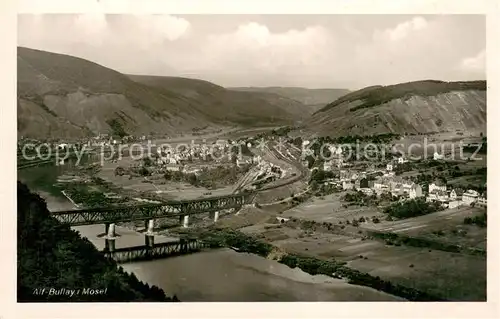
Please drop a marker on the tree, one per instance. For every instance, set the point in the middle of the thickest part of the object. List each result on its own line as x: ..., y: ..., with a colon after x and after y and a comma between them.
x: 167, y: 175
x: 314, y: 185
x: 119, y: 171
x: 143, y: 171
x: 192, y: 179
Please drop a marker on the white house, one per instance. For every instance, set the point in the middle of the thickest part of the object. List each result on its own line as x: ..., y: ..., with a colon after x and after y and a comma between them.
x: 366, y: 191
x: 380, y: 186
x: 346, y: 185
x: 402, y: 160
x: 437, y: 186
x: 173, y: 167
x: 327, y: 166
x: 437, y: 195
x: 62, y: 146
x: 437, y: 156
x: 470, y: 196
x: 482, y: 201
x: 456, y: 194
x: 389, y: 167
x: 415, y: 191
x: 340, y: 162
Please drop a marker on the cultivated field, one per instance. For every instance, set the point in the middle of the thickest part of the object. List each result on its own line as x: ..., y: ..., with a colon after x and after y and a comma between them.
x: 444, y: 274
x: 449, y: 222
x: 329, y: 209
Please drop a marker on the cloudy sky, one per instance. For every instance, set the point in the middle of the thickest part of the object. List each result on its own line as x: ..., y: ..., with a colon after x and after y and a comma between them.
x: 336, y: 51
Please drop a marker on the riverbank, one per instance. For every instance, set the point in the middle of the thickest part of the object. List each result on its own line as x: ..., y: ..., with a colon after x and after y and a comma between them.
x: 311, y: 265
x: 252, y: 277
x: 44, y: 245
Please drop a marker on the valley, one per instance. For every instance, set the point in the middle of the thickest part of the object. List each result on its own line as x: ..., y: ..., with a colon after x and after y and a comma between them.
x: 369, y: 195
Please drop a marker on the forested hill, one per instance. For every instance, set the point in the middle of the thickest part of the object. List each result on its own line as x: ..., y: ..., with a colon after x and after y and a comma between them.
x: 52, y: 256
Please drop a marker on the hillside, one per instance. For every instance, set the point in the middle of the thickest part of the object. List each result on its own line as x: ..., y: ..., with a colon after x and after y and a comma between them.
x: 414, y: 107
x: 228, y: 105
x: 314, y: 99
x: 65, y: 96
x: 51, y: 255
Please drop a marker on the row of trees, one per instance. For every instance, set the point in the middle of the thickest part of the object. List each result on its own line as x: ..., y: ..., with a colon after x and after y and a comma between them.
x: 412, y: 208
x: 480, y: 220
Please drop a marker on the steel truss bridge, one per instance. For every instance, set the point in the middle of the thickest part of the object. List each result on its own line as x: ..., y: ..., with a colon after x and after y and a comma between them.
x: 161, y: 250
x: 113, y: 214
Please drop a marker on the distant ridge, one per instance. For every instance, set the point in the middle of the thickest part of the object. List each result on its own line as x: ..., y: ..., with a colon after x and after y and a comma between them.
x: 413, y: 107
x: 313, y: 99
x: 64, y: 96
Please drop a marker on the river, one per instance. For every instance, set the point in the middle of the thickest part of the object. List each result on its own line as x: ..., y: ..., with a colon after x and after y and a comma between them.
x: 218, y: 275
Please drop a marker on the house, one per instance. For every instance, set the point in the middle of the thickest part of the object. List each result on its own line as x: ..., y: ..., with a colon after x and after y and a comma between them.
x: 256, y: 159
x: 389, y: 167
x: 344, y: 175
x: 173, y: 167
x: 366, y: 191
x: 437, y: 156
x: 327, y: 166
x: 362, y: 183
x: 62, y: 146
x: 456, y: 194
x: 339, y: 162
x: 438, y: 196
x: 397, y: 189
x: 470, y: 196
x: 346, y: 185
x: 482, y: 201
x: 402, y: 160
x: 380, y: 186
x: 437, y: 185
x: 415, y: 191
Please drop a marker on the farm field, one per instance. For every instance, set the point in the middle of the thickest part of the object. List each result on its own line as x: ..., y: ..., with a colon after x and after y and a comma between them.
x: 445, y: 274
x: 330, y: 209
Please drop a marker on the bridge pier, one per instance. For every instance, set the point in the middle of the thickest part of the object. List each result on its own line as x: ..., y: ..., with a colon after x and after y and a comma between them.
x: 150, y: 226
x: 110, y: 230
x: 185, y: 221
x: 149, y: 236
x: 109, y: 245
x: 149, y: 240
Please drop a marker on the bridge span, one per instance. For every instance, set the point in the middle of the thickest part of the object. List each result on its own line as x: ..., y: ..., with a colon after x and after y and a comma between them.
x: 149, y: 212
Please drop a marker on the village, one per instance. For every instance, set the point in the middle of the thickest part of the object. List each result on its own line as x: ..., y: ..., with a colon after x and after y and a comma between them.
x: 375, y: 180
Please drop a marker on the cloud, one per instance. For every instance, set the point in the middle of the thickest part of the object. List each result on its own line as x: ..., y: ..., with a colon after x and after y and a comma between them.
x: 254, y: 47
x: 405, y: 29
x: 476, y: 63
x: 311, y: 51
x: 56, y: 31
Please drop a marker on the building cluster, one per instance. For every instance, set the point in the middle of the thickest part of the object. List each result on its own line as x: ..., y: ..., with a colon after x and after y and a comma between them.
x: 268, y: 169
x: 374, y: 181
x: 195, y: 158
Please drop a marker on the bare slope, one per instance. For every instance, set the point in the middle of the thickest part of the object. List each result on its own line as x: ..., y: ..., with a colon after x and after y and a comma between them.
x: 228, y: 105
x: 61, y: 95
x: 313, y: 99
x: 65, y: 96
x: 415, y: 107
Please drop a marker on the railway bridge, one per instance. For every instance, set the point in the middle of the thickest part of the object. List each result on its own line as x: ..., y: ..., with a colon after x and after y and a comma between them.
x: 149, y: 212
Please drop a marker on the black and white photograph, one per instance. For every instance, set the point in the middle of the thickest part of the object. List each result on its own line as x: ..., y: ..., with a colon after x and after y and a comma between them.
x: 251, y: 157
